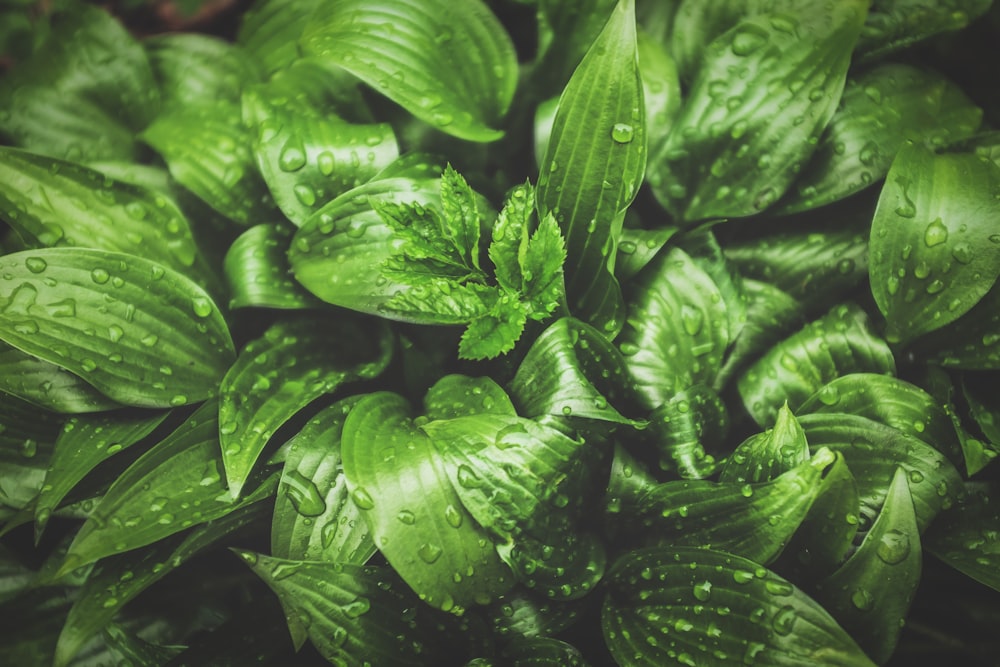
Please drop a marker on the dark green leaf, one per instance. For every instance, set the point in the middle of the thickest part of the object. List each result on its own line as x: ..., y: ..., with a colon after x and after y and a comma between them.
x: 628, y: 482
x: 719, y: 610
x: 283, y: 371
x: 972, y: 342
x: 566, y: 29
x: 194, y: 68
x: 594, y: 165
x: 47, y: 385
x: 258, y: 272
x: 934, y: 240
x: 271, y: 28
x: 521, y: 614
x: 543, y: 652
x: 968, y: 537
x: 681, y: 428
x: 762, y: 457
x: 27, y: 437
x: 896, y: 24
x: 401, y: 48
x: 141, y: 333
x: 564, y: 565
x: 128, y: 647
x: 459, y: 396
x: 637, y: 248
x: 984, y: 405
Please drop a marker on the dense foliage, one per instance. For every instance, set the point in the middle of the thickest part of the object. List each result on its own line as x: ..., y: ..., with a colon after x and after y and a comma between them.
x: 500, y: 332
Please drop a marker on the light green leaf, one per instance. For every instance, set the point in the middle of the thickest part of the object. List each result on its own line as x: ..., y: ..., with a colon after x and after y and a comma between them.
x: 682, y: 427
x: 444, y: 301
x: 283, y: 371
x: 495, y: 332
x: 460, y: 395
x: 258, y: 272
x: 661, y: 87
x: 509, y: 241
x: 837, y: 344
x: 270, y: 31
x: 141, y: 333
x: 968, y: 537
x: 47, y: 385
x: 594, y: 165
x: 764, y: 456
x: 541, y: 269
x: 313, y: 516
x: 934, y: 240
x: 893, y: 25
x: 461, y: 215
x: 401, y: 484
x: 724, y: 610
x: 194, y: 68
x: 449, y: 64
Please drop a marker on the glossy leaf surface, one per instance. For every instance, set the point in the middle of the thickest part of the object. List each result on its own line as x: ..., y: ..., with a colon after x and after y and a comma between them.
x: 47, y: 385
x: 258, y: 272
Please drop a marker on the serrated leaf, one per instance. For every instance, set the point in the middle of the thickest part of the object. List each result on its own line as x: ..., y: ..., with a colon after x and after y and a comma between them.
x: 47, y: 385
x: 748, y: 615
x: 764, y: 456
x: 194, y: 68
x: 894, y: 25
x: 495, y: 332
x: 259, y: 274
x: 460, y: 395
x: 510, y: 234
x: 726, y: 155
x: 594, y: 165
x: 283, y: 371
x: 270, y: 30
x: 684, y: 431
x: 934, y: 240
x: 968, y: 538
x: 871, y: 594
x: 443, y: 301
x: 837, y: 344
x: 313, y: 516
x: 880, y: 110
x: 464, y: 39
x: 541, y: 269
x: 427, y: 536
x: 141, y: 333
x: 461, y: 215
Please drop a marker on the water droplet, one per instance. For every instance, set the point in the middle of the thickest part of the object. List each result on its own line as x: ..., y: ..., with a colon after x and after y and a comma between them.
x: 893, y: 547
x: 703, y: 591
x: 292, y: 156
x: 201, y: 306
x: 429, y: 553
x: 692, y: 319
x: 783, y: 620
x: 303, y: 494
x: 100, y: 276
x: 178, y: 400
x: 862, y: 599
x: 622, y: 133
x: 935, y: 286
x: 407, y: 517
x: 935, y: 234
x: 88, y: 364
x: 35, y: 264
x: 326, y: 163
x: 748, y: 38
x: 742, y: 576
x: 115, y: 333
x: 362, y: 498
x: 452, y: 516
x: 358, y: 607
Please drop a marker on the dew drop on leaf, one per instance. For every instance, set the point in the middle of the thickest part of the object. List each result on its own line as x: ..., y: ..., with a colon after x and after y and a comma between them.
x: 201, y: 306
x: 784, y: 620
x: 862, y: 599
x: 429, y: 553
x: 293, y: 155
x: 748, y: 38
x: 894, y: 547
x: 35, y: 264
x: 622, y: 133
x: 935, y: 234
x: 362, y: 498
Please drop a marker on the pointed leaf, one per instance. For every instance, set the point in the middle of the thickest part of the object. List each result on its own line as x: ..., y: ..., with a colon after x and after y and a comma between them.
x: 47, y: 385
x: 566, y: 564
x: 141, y: 333
x: 594, y: 165
x: 971, y: 342
x: 661, y: 87
x: 762, y: 457
x: 509, y: 241
x: 258, y: 272
x: 404, y: 49
x: 897, y: 24
x: 27, y: 439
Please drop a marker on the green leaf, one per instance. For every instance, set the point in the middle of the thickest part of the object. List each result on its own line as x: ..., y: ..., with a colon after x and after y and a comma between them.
x: 897, y: 24
x: 510, y: 234
x: 141, y: 333
x: 723, y: 610
x: 628, y: 482
x: 565, y: 565
x: 461, y: 215
x: 681, y: 428
x: 541, y: 269
x: 194, y: 68
x: 766, y: 89
x: 258, y: 272
x: 880, y: 110
x: 972, y: 342
x: 402, y: 48
x: 543, y: 652
x: 566, y: 30
x: 313, y: 516
x: 763, y: 457
x: 178, y: 483
x: 936, y: 248
x: 871, y: 594
x: 594, y: 165
x: 661, y: 87
x: 47, y: 385
x: 837, y: 344
x: 638, y: 247
x: 306, y: 152
x: 127, y: 647
x: 460, y: 395
x: 85, y: 442
x: 444, y: 301
x: 968, y: 537
x: 521, y: 614
x: 495, y: 332
x: 283, y: 371
x: 401, y: 484
x: 26, y: 444
x: 751, y: 520
x: 270, y: 31
x: 677, y: 330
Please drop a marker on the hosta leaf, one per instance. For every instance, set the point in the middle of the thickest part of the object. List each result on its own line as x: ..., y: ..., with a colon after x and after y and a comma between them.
x: 270, y: 31
x: 50, y: 202
x: 420, y: 525
x: 258, y: 272
x: 837, y: 344
x: 208, y: 151
x: 718, y: 610
x: 567, y: 29
x: 280, y: 373
x: 194, y: 68
x: 677, y: 330
x: 628, y: 482
x: 178, y: 483
x: 27, y: 440
x: 681, y: 428
x: 141, y: 333
x: 306, y: 152
x: 313, y: 516
x: 764, y: 456
x: 637, y: 248
x: 984, y: 405
x: 896, y: 24
x: 873, y: 451
x: 661, y: 87
x: 726, y: 155
x: 117, y: 580
x: 871, y: 594
x: 85, y: 442
x: 460, y: 396
x: 593, y: 167
x: 972, y: 342
x: 522, y: 614
x: 47, y: 385
x: 401, y: 48
x: 752, y: 520
x: 968, y: 538
x: 881, y: 108
x: 934, y: 240
x: 543, y: 652
x: 566, y: 565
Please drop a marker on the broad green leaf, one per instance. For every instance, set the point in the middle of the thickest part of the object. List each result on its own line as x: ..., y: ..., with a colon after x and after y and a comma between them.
x: 524, y: 614
x: 313, y: 516
x: 677, y: 330
x: 564, y: 565
x: 208, y: 151
x: 880, y: 110
x: 871, y: 594
x: 27, y: 438
x: 141, y: 333
x: 593, y: 167
x: 628, y: 482
x: 968, y: 537
x: 681, y: 428
x: 53, y: 203
x: 566, y: 30
x: 83, y: 93
x: 258, y: 273
x: 705, y: 251
x: 893, y: 25
x: 766, y: 455
x: 117, y: 580
x: 836, y: 344
x: 460, y: 396
x: 984, y: 405
x: 178, y: 483
x: 283, y: 371
x: 306, y: 152
x: 935, y: 246
x: 873, y: 451
x: 543, y: 652
x: 194, y: 68
x: 270, y: 30
x: 85, y: 442
x: 404, y: 48
x: 47, y: 385
x: 765, y: 91
x: 752, y: 520
x: 972, y: 342
x: 572, y: 375
x: 402, y: 485
x: 719, y: 610
x: 661, y: 87
x: 974, y: 454
x: 637, y: 247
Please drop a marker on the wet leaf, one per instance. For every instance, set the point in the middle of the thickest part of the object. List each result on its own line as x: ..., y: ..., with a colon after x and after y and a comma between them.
x: 764, y: 456
x: 968, y: 537
x: 258, y: 272
x: 270, y: 31
x: 460, y: 395
x: 47, y: 385
x: 194, y: 68
x: 686, y: 429
x: 895, y: 25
